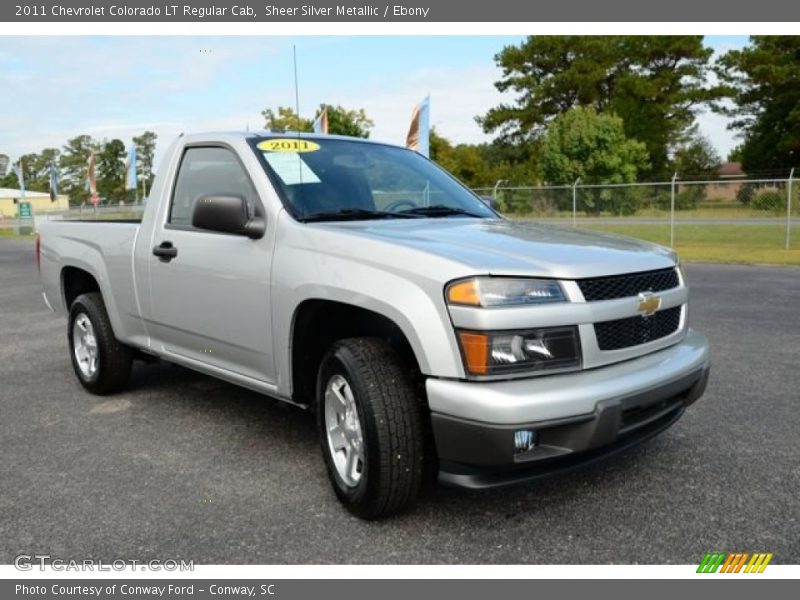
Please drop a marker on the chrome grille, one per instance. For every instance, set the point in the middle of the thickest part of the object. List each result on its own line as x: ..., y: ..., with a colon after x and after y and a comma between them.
x: 632, y: 284
x: 633, y: 331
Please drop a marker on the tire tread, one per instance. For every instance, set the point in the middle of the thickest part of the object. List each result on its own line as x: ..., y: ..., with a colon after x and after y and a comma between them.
x: 396, y: 410
x: 116, y: 358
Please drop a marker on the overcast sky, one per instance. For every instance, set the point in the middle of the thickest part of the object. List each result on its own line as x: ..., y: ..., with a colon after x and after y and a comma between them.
x: 55, y: 88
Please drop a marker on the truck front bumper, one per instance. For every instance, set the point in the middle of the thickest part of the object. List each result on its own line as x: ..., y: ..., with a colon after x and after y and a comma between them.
x: 575, y: 418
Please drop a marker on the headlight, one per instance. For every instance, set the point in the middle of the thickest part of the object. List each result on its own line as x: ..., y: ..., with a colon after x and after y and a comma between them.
x: 501, y: 352
x: 503, y: 291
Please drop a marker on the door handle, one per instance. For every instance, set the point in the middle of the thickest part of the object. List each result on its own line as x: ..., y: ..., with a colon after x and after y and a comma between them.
x: 165, y: 251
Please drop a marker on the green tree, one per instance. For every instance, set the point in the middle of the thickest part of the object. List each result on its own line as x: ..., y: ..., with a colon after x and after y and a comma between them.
x: 145, y: 151
x: 763, y: 80
x: 735, y: 154
x: 72, y: 163
x: 441, y: 149
x: 592, y: 146
x: 110, y: 165
x: 29, y: 169
x: 695, y: 157
x: 343, y: 121
x: 46, y: 158
x: 654, y: 83
x: 28, y: 162
x: 464, y: 161
x: 9, y: 178
x: 285, y: 119
x: 72, y: 166
x: 470, y: 166
x: 37, y: 169
x: 584, y: 144
x: 479, y: 165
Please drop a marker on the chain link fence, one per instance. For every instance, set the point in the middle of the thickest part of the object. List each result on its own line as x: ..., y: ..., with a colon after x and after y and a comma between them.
x: 745, y: 213
x: 109, y: 212
x: 726, y: 220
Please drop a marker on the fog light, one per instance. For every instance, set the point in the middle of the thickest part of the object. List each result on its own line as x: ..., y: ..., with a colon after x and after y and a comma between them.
x: 525, y: 440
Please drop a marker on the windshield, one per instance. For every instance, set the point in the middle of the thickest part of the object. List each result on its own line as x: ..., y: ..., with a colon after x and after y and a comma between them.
x: 329, y: 179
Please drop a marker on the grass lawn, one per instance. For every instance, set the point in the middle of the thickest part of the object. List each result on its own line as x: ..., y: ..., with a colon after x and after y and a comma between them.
x: 760, y: 244
x: 11, y: 233
x: 725, y: 211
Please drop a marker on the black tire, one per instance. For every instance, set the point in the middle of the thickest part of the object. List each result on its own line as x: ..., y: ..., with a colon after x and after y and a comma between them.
x: 390, y: 415
x: 113, y: 364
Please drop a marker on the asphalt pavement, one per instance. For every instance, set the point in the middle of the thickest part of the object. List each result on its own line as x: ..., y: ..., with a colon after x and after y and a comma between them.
x: 183, y: 466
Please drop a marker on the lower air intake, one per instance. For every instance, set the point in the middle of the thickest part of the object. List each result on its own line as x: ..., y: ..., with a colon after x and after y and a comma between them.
x: 633, y: 331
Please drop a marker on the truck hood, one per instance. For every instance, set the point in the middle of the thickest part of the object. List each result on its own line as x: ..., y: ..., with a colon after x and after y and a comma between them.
x: 500, y: 247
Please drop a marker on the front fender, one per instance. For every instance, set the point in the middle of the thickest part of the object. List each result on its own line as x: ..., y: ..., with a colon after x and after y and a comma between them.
x: 415, y: 304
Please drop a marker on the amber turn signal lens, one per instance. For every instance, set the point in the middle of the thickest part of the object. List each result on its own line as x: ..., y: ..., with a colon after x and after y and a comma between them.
x: 464, y: 292
x: 476, y: 352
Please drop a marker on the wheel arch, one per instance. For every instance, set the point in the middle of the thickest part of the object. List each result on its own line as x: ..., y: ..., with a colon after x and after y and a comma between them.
x: 317, y: 323
x: 78, y: 278
x: 76, y: 281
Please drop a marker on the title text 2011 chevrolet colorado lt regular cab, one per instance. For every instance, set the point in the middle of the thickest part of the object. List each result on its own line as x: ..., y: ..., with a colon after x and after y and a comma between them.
x: 429, y: 333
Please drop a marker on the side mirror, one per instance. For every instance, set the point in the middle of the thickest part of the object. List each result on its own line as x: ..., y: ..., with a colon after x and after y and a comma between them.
x: 226, y: 214
x: 490, y: 201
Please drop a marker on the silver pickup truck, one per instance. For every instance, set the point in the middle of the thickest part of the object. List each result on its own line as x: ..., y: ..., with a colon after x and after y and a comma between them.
x: 430, y: 335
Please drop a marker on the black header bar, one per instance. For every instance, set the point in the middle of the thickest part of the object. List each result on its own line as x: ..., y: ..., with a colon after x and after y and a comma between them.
x: 338, y: 11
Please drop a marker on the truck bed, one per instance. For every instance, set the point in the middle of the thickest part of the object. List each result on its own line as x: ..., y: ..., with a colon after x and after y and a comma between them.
x: 102, y: 248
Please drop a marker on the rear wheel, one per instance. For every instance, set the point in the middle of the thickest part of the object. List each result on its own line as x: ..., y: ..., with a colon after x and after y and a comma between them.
x: 370, y: 426
x: 101, y: 363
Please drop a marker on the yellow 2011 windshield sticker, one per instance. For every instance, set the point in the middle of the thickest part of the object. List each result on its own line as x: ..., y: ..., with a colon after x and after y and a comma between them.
x: 288, y: 145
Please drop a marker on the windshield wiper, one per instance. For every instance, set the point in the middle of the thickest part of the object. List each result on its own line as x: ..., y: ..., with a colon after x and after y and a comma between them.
x: 354, y: 214
x: 439, y: 210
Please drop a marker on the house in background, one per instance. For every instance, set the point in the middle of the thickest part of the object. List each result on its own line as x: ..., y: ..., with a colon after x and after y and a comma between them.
x: 731, y: 170
x: 40, y: 202
x: 731, y: 177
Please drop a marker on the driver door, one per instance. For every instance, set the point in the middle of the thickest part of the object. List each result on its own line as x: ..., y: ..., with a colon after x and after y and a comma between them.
x: 211, y: 301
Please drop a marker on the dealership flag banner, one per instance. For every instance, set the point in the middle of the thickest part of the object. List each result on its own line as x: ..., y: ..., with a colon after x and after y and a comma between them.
x: 419, y: 133
x: 19, y: 171
x: 130, y: 169
x: 321, y: 123
x: 53, y: 181
x: 94, y: 198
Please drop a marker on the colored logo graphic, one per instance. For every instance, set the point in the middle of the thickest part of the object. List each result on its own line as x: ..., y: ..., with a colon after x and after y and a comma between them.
x: 734, y: 562
x: 649, y: 303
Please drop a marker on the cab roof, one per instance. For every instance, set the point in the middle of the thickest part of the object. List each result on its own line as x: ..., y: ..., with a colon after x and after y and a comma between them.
x: 266, y: 133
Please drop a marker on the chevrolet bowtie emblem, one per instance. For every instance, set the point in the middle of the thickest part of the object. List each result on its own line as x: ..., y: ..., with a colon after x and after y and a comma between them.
x: 648, y: 303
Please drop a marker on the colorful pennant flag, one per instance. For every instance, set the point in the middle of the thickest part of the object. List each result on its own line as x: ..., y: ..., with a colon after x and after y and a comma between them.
x: 93, y: 197
x: 131, y: 181
x: 419, y: 133
x: 19, y: 171
x: 53, y: 181
x: 321, y: 123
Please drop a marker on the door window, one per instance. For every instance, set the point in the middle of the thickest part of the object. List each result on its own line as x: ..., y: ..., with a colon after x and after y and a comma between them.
x: 204, y: 171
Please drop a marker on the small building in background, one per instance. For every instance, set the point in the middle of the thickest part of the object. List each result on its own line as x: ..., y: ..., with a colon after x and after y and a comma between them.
x: 731, y: 178
x: 40, y: 202
x: 731, y: 170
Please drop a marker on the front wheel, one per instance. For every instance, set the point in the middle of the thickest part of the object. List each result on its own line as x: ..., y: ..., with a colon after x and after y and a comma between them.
x: 102, y: 364
x: 370, y: 424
